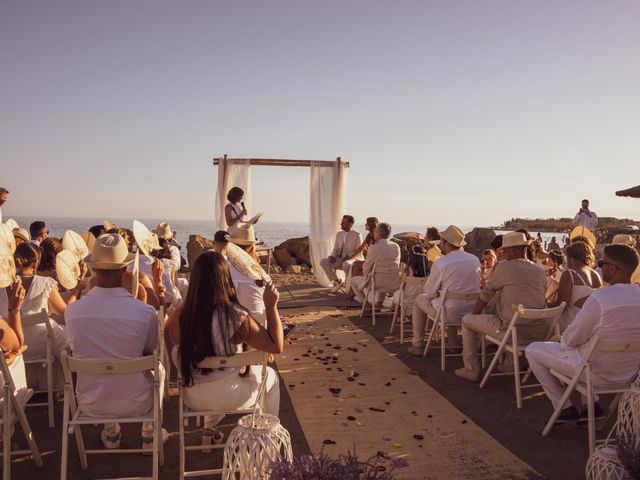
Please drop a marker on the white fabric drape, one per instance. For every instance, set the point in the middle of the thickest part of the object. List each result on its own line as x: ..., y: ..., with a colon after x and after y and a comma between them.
x: 232, y: 173
x: 326, y: 207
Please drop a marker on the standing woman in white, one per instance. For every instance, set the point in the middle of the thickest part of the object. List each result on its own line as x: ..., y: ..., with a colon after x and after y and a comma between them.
x: 235, y: 211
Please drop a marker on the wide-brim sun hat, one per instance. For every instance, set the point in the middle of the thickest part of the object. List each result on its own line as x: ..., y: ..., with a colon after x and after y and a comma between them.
x: 22, y: 234
x: 89, y: 240
x: 12, y: 224
x: 109, y: 253
x: 242, y: 234
x: 515, y: 239
x: 7, y: 265
x: 75, y: 243
x: 245, y: 263
x: 583, y: 232
x: 146, y: 240
x: 6, y: 235
x: 454, y: 235
x: 163, y: 230
x: 67, y: 269
x: 624, y: 239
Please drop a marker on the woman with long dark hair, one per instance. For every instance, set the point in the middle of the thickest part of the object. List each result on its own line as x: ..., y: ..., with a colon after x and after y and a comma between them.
x: 235, y: 211
x: 211, y: 322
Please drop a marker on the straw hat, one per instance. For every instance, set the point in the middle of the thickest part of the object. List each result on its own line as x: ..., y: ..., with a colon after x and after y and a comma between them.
x: 515, y: 239
x: 89, y: 240
x: 454, y: 235
x: 21, y: 233
x: 12, y: 224
x: 67, y: 269
x: 108, y: 224
x: 146, y: 240
x: 245, y: 263
x: 163, y: 230
x: 583, y: 232
x: 624, y: 239
x: 6, y: 234
x: 242, y: 234
x: 109, y: 253
x: 75, y: 243
x: 7, y: 265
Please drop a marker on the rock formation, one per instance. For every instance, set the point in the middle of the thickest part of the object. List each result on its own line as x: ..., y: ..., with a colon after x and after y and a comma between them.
x: 478, y: 240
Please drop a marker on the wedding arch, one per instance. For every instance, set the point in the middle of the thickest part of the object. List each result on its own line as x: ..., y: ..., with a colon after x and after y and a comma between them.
x: 327, y: 185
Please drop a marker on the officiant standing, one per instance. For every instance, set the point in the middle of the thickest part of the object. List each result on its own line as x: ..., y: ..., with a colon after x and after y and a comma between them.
x: 235, y: 211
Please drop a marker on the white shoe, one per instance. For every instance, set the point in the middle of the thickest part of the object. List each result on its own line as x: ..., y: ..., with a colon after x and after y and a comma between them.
x: 110, y: 441
x: 147, y: 442
x: 467, y: 374
x: 337, y: 285
x: 211, y: 436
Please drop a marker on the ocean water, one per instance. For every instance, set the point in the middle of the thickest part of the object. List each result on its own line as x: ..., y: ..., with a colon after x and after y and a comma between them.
x: 271, y: 233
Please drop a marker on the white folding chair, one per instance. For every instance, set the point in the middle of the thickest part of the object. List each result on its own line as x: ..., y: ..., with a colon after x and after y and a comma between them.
x: 238, y: 360
x: 73, y: 417
x: 509, y: 343
x: 582, y: 382
x: 13, y: 402
x: 163, y: 355
x: 378, y: 276
x: 46, y: 361
x: 408, y: 286
x: 441, y: 323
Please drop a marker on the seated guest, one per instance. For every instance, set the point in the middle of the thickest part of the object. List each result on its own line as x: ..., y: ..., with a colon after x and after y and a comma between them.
x: 38, y: 231
x: 211, y: 322
x: 518, y: 282
x: 457, y: 270
x: 612, y: 314
x: 554, y: 268
x: 496, y: 245
x: 163, y: 230
x: 488, y: 261
x: 98, y: 230
x: 356, y: 265
x: 624, y: 239
x: 12, y: 342
x: 577, y: 282
x: 347, y: 242
x: 108, y: 323
x: 49, y: 248
x: 553, y: 244
x: 383, y: 253
x: 432, y: 244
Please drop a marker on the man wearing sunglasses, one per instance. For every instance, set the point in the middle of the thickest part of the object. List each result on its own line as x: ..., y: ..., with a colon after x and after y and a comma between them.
x: 612, y: 313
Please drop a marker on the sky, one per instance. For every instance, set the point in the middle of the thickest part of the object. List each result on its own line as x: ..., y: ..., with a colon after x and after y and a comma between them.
x: 468, y: 112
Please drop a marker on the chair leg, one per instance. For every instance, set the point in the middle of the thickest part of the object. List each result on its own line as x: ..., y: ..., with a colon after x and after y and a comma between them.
x: 442, y: 344
x: 80, y: 443
x: 364, y: 304
x: 28, y: 433
x: 493, y: 364
x: 7, y: 424
x: 434, y: 326
x: 403, y: 312
x: 181, y: 421
x: 556, y: 413
x: 516, y: 368
x: 50, y: 392
x: 590, y: 412
x: 65, y: 438
x: 483, y: 350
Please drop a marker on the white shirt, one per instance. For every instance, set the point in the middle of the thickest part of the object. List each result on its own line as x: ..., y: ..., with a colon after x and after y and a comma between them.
x: 346, y: 243
x: 146, y: 266
x: 175, y: 257
x: 109, y: 324
x: 583, y: 220
x: 250, y: 295
x: 612, y: 313
x: 457, y: 271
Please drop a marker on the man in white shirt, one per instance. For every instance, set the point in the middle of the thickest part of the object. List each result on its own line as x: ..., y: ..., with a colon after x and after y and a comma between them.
x: 383, y: 254
x: 163, y: 230
x: 4, y: 196
x: 458, y: 271
x: 585, y: 217
x: 108, y: 323
x: 347, y: 242
x: 38, y: 231
x: 612, y: 314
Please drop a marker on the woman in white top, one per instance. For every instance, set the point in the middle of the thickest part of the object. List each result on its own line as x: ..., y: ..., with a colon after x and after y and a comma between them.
x: 12, y: 341
x: 211, y: 322
x: 577, y: 282
x: 235, y: 211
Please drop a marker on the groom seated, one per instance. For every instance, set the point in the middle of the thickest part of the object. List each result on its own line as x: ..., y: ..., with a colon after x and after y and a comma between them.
x: 347, y: 242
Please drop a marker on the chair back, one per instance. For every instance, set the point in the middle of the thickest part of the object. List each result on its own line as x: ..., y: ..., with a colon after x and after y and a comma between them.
x: 540, y: 313
x: 107, y: 367
x: 36, y: 318
x: 387, y: 276
x: 454, y: 295
x: 617, y: 346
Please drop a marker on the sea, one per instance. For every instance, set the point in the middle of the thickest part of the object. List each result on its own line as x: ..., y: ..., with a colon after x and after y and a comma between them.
x: 271, y: 233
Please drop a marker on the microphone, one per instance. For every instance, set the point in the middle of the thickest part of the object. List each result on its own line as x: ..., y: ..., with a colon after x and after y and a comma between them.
x: 243, y: 207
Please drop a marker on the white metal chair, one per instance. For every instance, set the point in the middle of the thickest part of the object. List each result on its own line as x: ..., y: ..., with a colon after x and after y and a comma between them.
x: 47, y: 361
x: 440, y: 323
x: 238, y: 360
x: 163, y: 355
x: 582, y: 382
x: 13, y: 401
x: 73, y: 418
x: 408, y: 287
x: 509, y: 343
x: 378, y: 275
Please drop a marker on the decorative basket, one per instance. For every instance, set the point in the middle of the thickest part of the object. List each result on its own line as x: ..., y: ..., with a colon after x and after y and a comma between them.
x: 604, y: 464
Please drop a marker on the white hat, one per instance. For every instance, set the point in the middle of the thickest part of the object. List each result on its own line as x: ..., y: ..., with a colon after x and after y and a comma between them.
x: 21, y: 233
x: 7, y: 265
x: 75, y: 243
x: 585, y: 233
x: 89, y: 240
x: 67, y: 269
x: 109, y: 253
x: 454, y: 235
x: 245, y: 263
x: 242, y: 234
x: 624, y: 239
x: 515, y: 239
x: 6, y: 234
x: 12, y: 224
x: 147, y: 242
x: 163, y: 230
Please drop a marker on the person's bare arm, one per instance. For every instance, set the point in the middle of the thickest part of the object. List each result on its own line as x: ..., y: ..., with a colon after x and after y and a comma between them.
x: 564, y: 289
x: 15, y: 295
x: 172, y: 330
x: 271, y: 339
x: 479, y: 306
x: 358, y: 251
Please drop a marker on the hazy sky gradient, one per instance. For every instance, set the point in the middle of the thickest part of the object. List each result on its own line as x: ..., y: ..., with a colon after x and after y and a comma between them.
x: 467, y: 112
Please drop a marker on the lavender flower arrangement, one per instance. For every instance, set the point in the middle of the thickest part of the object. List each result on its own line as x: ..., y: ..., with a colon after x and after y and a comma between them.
x: 346, y: 467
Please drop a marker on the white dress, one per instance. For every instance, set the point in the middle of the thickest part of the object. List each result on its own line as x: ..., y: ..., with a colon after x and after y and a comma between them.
x: 237, y: 211
x: 579, y: 289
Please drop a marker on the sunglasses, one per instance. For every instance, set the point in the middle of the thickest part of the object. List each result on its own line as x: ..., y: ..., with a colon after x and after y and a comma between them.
x: 602, y: 263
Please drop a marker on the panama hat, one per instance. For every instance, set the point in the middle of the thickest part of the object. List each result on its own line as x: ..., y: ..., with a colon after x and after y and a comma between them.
x: 67, y: 269
x: 108, y: 224
x: 163, y: 230
x: 146, y: 240
x: 624, y: 239
x: 515, y: 239
x: 6, y: 234
x: 89, y: 240
x: 242, y: 234
x: 245, y: 263
x: 12, y: 224
x: 22, y: 234
x: 109, y: 253
x: 585, y: 233
x: 454, y: 235
x: 7, y: 265
x: 75, y: 243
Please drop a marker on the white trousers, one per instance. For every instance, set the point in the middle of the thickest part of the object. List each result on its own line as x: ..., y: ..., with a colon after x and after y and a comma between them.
x: 233, y: 392
x: 421, y: 309
x: 330, y: 267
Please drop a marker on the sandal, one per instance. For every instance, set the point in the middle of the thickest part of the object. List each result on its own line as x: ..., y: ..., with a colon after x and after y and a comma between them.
x: 211, y: 436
